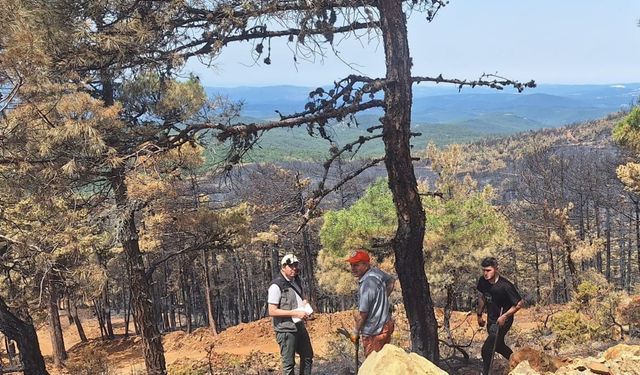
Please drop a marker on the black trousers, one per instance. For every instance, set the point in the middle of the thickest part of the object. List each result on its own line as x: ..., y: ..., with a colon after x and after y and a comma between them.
x: 292, y: 343
x: 501, y: 347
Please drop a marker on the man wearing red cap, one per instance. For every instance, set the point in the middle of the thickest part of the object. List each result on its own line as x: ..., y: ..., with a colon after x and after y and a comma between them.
x: 373, y: 321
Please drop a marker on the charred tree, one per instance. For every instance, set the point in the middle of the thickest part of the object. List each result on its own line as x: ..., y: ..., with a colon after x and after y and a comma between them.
x: 24, y: 334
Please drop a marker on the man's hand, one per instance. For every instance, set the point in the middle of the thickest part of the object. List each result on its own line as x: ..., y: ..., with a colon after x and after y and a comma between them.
x: 501, y: 319
x: 298, y: 314
x: 355, y: 337
x: 480, y: 321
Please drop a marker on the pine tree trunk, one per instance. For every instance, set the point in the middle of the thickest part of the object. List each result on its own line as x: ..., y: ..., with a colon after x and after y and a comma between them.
x: 98, y: 311
x: 448, y: 307
x: 127, y: 315
x: 158, y: 307
x: 552, y: 269
x: 636, y: 204
x: 73, y: 313
x: 515, y: 268
x: 598, y: 236
x: 308, y: 257
x: 169, y: 300
x: 67, y: 304
x: 608, y: 244
x: 566, y: 274
x: 581, y: 228
x: 573, y: 272
x: 621, y: 264
x: 24, y: 334
x: 140, y: 289
x: 172, y: 312
x: 55, y: 328
x: 407, y: 243
x: 208, y: 292
x: 106, y: 311
x: 537, y: 267
x: 628, y: 279
x: 275, y: 263
x: 186, y: 297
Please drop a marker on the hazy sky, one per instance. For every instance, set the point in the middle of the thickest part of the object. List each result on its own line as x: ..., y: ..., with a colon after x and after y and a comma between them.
x: 551, y: 41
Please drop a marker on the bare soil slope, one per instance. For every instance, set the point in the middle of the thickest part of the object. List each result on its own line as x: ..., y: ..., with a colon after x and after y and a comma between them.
x: 250, y: 342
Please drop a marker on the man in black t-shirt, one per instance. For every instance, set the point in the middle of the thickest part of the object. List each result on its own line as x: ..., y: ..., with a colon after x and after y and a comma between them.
x: 503, y: 301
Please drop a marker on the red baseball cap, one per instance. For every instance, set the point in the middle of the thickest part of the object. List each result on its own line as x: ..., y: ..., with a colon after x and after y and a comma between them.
x: 359, y: 256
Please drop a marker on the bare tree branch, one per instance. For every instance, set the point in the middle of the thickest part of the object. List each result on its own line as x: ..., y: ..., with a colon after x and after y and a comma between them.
x: 487, y: 80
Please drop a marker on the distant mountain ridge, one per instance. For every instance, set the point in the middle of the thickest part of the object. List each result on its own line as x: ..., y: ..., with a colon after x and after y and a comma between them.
x: 552, y: 105
x: 441, y: 113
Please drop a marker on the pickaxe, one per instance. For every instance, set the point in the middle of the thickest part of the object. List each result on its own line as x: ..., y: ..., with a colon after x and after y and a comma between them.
x: 343, y: 331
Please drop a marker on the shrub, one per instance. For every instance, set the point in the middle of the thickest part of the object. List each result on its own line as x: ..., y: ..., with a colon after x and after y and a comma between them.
x: 592, y: 285
x: 631, y: 311
x: 188, y: 367
x: 630, y: 314
x: 587, y: 292
x: 89, y: 361
x: 569, y: 327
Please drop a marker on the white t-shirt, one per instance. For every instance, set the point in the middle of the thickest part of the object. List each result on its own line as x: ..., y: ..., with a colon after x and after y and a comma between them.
x: 274, y: 294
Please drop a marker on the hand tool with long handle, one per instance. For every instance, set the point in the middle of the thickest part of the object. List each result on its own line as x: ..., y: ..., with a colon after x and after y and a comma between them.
x: 495, y: 342
x: 343, y: 331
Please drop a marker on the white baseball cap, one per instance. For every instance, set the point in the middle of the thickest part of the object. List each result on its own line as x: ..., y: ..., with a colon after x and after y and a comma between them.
x: 288, y: 259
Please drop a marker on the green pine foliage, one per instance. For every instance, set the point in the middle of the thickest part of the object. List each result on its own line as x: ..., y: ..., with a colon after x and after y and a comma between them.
x: 371, y: 218
x: 627, y: 131
x: 463, y: 226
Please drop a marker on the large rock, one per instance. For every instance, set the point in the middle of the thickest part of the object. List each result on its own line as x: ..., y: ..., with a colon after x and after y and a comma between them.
x: 622, y: 350
x: 537, y: 360
x: 392, y: 360
x: 523, y: 368
x: 623, y: 359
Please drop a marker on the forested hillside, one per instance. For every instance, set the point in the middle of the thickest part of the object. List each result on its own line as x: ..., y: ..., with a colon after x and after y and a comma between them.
x: 440, y: 115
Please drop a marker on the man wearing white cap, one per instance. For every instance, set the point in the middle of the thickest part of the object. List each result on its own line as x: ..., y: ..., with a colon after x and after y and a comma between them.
x: 289, y: 310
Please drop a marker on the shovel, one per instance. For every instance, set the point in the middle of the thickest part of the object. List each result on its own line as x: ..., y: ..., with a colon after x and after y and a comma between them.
x: 343, y: 331
x: 495, y: 342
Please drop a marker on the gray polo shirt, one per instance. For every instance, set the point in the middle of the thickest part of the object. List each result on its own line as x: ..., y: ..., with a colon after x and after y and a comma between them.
x: 373, y: 299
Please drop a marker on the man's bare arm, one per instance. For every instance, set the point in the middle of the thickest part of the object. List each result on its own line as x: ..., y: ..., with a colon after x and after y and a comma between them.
x: 280, y: 313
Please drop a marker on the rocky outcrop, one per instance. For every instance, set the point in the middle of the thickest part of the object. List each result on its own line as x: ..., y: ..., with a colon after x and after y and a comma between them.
x: 537, y: 360
x: 619, y: 359
x: 392, y: 360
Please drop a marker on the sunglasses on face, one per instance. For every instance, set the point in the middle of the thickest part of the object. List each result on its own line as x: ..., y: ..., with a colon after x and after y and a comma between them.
x: 293, y: 265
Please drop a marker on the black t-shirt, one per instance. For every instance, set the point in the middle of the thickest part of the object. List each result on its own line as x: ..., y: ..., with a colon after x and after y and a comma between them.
x: 501, y: 294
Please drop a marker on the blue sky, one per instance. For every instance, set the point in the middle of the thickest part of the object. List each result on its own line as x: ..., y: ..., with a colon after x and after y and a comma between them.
x: 551, y: 41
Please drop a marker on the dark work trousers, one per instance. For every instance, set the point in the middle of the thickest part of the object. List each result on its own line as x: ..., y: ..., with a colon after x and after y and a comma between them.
x: 292, y: 343
x: 501, y: 347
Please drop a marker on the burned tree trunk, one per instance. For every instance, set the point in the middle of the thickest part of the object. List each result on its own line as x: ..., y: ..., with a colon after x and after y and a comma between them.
x: 140, y: 288
x: 407, y: 243
x: 106, y: 311
x: 73, y: 313
x: 209, y: 298
x: 24, y: 334
x: 55, y: 329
